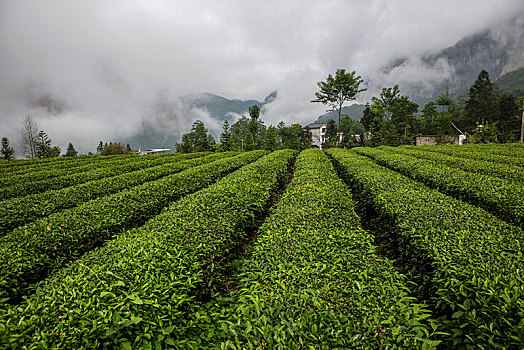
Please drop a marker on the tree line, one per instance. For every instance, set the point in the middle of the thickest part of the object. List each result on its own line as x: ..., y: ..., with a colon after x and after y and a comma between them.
x: 484, y: 114
x: 246, y: 134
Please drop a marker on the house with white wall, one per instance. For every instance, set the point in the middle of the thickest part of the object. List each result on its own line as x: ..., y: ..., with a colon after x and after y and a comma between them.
x: 318, y: 133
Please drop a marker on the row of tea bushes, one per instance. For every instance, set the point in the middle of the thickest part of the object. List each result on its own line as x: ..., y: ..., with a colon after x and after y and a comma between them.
x: 502, y: 170
x: 138, y: 290
x: 44, y: 173
x: 473, y: 154
x: 502, y: 197
x: 313, y: 279
x: 23, y: 210
x: 135, y: 163
x: 467, y: 261
x: 31, y: 251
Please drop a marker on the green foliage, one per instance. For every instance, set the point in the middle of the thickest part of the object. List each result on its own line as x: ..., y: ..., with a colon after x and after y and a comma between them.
x: 71, y: 151
x: 330, y: 135
x: 501, y: 170
x: 271, y: 141
x: 112, y: 179
x: 483, y: 133
x: 113, y: 148
x: 7, y: 151
x: 226, y: 138
x: 396, y: 111
x: 198, y: 140
x: 34, y: 250
x: 43, y: 146
x: 481, y: 103
x: 313, y: 279
x: 513, y: 82
x: 502, y: 197
x: 294, y: 136
x: 337, y: 90
x: 467, y: 262
x: 141, y: 289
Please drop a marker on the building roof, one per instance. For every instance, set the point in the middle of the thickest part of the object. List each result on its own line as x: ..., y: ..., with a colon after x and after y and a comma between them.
x: 315, y: 126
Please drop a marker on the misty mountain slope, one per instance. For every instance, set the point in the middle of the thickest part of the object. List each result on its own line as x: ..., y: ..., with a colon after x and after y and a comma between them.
x: 170, y: 119
x: 499, y: 50
x: 513, y: 82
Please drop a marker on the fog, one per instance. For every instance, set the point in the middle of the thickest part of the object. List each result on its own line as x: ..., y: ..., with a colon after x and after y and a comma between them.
x: 90, y: 71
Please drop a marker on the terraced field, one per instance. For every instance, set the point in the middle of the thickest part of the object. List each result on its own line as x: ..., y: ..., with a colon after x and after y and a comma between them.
x: 410, y: 247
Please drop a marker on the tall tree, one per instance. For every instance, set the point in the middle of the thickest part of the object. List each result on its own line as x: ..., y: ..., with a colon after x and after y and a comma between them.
x: 71, y: 151
x: 29, y: 136
x: 270, y: 141
x: 226, y: 138
x: 337, y: 90
x: 482, y: 102
x: 330, y: 135
x: 7, y: 151
x: 367, y: 117
x: 43, y: 145
x: 197, y: 140
x: 100, y: 147
x: 398, y: 109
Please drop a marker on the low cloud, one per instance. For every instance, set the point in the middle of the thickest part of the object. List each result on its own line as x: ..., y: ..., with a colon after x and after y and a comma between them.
x: 94, y: 71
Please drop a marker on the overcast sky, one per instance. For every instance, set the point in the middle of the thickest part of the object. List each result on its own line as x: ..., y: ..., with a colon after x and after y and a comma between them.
x: 101, y: 65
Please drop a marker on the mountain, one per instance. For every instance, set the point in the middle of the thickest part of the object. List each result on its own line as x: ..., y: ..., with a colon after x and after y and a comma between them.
x: 354, y: 112
x: 512, y: 82
x: 169, y: 119
x: 499, y: 50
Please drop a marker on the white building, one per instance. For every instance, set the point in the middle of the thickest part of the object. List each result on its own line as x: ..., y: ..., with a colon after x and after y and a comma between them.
x: 318, y: 132
x: 153, y: 151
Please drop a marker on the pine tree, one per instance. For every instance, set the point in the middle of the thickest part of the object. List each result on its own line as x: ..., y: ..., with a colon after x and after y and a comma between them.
x: 482, y: 103
x: 100, y: 147
x: 43, y: 145
x: 226, y: 138
x: 71, y: 151
x: 7, y: 151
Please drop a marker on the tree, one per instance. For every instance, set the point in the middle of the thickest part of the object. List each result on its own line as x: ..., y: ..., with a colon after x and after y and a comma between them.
x: 367, y: 117
x: 113, y: 148
x: 254, y: 113
x: 393, y: 107
x: 335, y: 91
x: 197, y: 140
x: 330, y: 135
x: 100, y: 147
x: 445, y: 101
x: 7, y: 151
x: 29, y: 136
x: 43, y: 145
x: 270, y: 142
x: 71, y: 151
x: 226, y: 138
x: 484, y: 133
x: 482, y: 102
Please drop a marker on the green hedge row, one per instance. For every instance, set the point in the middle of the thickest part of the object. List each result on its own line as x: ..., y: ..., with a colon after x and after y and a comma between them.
x: 502, y: 197
x: 20, y: 167
x: 31, y: 251
x: 138, y: 290
x: 55, y: 183
x: 51, y: 169
x: 23, y: 210
x: 83, y: 166
x: 468, y: 263
x: 502, y: 170
x: 505, y: 149
x: 458, y: 151
x: 313, y: 278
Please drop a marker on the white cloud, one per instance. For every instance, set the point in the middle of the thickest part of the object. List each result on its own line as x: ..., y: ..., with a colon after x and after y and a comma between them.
x: 109, y: 60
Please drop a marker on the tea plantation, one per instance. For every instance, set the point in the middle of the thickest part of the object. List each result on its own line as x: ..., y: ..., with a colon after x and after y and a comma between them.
x: 368, y: 248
